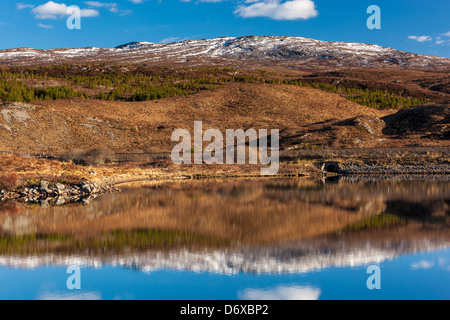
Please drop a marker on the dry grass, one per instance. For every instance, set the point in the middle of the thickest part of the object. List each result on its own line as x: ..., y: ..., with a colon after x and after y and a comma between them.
x: 307, y: 118
x: 62, y: 125
x: 18, y: 172
x: 28, y: 171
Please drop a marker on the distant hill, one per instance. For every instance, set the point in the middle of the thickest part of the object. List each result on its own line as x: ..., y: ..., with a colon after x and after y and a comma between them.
x: 248, y: 50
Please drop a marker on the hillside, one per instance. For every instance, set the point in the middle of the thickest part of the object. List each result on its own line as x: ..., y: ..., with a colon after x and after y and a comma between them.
x: 305, y: 116
x: 56, y: 126
x: 320, y: 95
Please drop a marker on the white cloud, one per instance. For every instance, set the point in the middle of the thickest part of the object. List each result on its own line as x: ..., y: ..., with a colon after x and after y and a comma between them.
x: 281, y: 293
x: 278, y: 10
x: 45, y: 26
x: 420, y: 38
x: 173, y: 39
x: 21, y: 6
x: 170, y: 40
x: 53, y: 10
x: 110, y: 6
x: 423, y: 265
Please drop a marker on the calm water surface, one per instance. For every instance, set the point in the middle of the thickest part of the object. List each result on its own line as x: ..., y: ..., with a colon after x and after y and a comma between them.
x: 258, y: 239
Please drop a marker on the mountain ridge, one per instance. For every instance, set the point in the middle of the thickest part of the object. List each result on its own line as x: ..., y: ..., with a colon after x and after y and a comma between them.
x: 251, y: 50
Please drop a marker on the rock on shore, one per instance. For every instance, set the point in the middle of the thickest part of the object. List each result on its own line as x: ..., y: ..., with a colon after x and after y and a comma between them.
x: 46, y: 193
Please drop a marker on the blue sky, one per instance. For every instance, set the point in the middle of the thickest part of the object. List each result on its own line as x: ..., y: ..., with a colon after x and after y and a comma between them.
x: 420, y: 26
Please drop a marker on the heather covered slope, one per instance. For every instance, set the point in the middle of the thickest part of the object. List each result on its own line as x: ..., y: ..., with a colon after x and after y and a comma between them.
x: 57, y: 126
x: 305, y: 117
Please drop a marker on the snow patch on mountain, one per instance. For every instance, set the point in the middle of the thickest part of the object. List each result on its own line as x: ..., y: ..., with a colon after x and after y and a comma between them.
x: 295, y: 51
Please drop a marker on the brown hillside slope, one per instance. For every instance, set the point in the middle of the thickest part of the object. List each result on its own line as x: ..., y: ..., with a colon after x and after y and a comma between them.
x: 299, y: 113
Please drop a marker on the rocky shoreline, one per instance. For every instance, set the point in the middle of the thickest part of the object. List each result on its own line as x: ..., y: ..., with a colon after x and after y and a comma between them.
x: 428, y: 170
x: 47, y: 194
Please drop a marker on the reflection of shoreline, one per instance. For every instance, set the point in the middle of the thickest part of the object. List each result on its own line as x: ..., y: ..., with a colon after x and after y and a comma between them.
x: 297, y: 259
x: 241, y: 227
x: 243, y: 213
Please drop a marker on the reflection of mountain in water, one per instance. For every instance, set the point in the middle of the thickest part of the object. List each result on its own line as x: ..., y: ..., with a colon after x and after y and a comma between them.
x: 267, y: 226
x: 299, y: 259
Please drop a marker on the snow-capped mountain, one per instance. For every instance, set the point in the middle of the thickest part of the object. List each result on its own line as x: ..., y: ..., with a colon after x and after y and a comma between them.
x: 302, y: 258
x: 251, y: 50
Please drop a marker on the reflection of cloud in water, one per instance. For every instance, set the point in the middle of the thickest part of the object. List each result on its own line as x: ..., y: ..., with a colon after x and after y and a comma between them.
x: 443, y: 263
x: 423, y: 265
x: 281, y: 293
x: 70, y: 296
